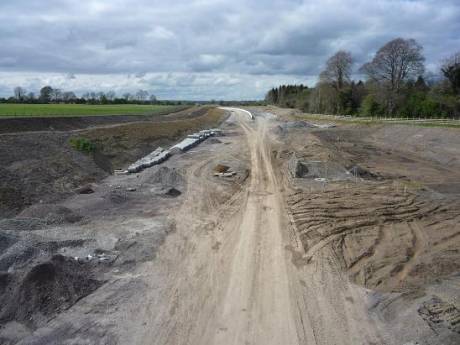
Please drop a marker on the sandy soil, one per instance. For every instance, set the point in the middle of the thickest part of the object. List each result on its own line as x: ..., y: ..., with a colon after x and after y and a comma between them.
x: 366, y: 256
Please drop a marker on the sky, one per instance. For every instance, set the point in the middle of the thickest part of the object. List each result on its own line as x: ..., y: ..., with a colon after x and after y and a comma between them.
x: 205, y: 49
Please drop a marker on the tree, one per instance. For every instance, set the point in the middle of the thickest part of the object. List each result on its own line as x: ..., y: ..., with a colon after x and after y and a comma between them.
x: 56, y: 95
x: 338, y: 69
x: 19, y: 93
x: 31, y: 96
x: 395, y: 62
x: 45, y: 93
x: 420, y: 85
x: 142, y: 95
x: 68, y: 96
x: 370, y: 106
x: 451, y: 70
x: 110, y: 95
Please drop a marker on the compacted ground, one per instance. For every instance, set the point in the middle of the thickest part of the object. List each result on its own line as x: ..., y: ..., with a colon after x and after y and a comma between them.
x: 345, y: 235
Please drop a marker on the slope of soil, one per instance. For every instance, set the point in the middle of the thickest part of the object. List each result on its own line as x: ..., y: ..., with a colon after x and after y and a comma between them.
x: 43, y: 167
x: 67, y: 123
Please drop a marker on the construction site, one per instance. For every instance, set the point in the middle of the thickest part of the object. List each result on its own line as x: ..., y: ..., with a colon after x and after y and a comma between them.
x: 215, y: 225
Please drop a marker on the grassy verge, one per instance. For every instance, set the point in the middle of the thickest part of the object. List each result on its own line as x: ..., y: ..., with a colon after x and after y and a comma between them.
x: 68, y: 110
x: 357, y: 120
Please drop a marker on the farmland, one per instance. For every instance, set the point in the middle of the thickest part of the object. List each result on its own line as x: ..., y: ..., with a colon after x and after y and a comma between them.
x: 70, y: 110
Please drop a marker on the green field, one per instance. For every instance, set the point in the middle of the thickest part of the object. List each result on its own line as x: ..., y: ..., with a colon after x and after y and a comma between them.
x: 55, y: 110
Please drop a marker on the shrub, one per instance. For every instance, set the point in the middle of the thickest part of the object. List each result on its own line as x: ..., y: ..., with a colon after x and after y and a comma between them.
x: 82, y: 144
x: 370, y: 107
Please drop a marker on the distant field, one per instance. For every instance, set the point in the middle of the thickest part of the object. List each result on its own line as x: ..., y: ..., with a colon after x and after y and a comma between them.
x: 54, y: 110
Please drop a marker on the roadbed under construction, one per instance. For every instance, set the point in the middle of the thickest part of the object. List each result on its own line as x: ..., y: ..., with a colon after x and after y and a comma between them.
x: 279, y: 231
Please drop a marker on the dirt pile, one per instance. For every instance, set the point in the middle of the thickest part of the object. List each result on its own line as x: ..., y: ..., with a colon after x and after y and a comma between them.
x: 220, y: 168
x: 298, y: 168
x: 167, y: 177
x: 44, y: 290
x: 51, y: 214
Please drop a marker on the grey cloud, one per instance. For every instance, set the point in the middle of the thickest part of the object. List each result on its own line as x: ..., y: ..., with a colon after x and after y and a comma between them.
x: 259, y: 40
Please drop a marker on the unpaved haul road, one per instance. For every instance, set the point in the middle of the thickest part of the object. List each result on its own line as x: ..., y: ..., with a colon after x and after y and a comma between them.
x: 233, y: 273
x: 256, y: 308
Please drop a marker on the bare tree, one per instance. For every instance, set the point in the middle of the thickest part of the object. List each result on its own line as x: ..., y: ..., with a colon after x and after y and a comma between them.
x: 56, y: 95
x: 110, y: 95
x: 142, y: 95
x: 395, y: 62
x: 451, y: 70
x: 19, y: 93
x: 338, y: 69
x: 31, y: 96
x: 45, y: 93
x: 68, y: 96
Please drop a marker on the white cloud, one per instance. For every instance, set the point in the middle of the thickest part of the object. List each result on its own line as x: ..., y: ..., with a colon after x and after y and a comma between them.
x: 258, y: 41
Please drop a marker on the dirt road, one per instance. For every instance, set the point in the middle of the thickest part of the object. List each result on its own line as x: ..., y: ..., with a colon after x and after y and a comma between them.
x: 257, y: 307
x: 248, y: 287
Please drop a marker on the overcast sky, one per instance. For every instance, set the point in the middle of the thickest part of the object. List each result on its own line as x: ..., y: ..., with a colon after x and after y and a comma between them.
x: 205, y: 49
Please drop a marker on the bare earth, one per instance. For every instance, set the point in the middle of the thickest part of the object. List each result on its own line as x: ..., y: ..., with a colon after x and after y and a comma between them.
x: 267, y: 257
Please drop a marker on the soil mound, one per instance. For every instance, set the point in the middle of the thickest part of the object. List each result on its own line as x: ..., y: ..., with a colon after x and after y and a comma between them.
x: 167, y: 177
x: 214, y: 141
x: 220, y: 168
x: 51, y: 214
x: 44, y: 290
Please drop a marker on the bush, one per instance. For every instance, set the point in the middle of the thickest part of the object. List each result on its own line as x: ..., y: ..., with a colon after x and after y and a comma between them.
x: 83, y: 145
x: 370, y: 107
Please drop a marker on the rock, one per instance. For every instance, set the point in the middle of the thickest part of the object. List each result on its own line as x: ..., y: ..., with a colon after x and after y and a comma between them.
x: 220, y: 168
x: 85, y: 190
x: 173, y: 192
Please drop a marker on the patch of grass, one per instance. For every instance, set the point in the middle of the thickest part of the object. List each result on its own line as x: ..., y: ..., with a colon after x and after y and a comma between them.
x: 82, y: 144
x: 375, y: 121
x: 68, y: 110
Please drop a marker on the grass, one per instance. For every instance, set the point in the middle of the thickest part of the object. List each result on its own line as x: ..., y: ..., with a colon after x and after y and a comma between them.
x: 376, y: 121
x: 82, y: 144
x: 69, y: 110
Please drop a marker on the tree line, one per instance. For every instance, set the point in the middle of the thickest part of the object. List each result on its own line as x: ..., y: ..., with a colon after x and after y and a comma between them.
x: 395, y: 84
x: 48, y: 95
